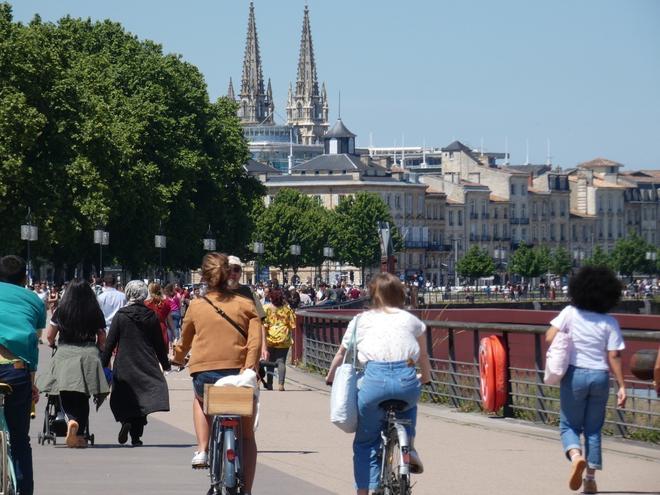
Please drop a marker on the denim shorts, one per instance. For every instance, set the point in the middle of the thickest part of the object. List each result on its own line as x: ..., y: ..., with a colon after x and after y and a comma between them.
x: 203, y: 377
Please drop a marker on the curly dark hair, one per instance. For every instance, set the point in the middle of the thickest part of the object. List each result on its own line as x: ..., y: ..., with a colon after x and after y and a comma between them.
x: 595, y: 288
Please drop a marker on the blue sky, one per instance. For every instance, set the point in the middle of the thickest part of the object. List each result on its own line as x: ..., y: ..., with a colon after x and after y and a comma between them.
x: 583, y: 74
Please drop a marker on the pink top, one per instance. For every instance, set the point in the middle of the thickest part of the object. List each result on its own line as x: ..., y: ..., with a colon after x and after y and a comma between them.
x: 174, y: 302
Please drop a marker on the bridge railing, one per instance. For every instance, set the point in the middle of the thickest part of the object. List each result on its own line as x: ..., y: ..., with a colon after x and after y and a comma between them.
x: 453, y: 348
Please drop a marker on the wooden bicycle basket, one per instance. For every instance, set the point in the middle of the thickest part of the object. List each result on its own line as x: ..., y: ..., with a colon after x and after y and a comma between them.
x: 234, y: 401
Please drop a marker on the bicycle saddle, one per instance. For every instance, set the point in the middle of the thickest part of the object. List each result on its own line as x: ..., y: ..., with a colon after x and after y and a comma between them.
x: 394, y: 405
x: 5, y: 388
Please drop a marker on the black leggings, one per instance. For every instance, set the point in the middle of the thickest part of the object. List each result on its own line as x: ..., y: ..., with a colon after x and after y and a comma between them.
x: 76, y: 407
x: 277, y: 358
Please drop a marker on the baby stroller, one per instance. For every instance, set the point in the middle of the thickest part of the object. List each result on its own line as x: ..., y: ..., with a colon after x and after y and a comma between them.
x: 55, y: 423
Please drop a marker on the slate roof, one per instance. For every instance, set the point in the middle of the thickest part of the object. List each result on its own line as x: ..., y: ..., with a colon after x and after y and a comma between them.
x: 344, y: 161
x: 457, y: 146
x: 339, y: 130
x: 255, y: 167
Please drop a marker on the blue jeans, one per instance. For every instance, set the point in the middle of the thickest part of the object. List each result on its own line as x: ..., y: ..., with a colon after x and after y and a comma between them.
x: 17, y: 415
x: 381, y: 381
x: 176, y: 330
x: 203, y: 377
x: 583, y: 397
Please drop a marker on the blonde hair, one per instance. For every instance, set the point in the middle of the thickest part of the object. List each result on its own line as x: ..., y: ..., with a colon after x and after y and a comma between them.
x: 386, y: 290
x: 155, y: 292
x: 215, y: 270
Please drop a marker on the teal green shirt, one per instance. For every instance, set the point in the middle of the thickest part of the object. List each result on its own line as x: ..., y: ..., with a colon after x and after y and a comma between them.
x: 22, y: 313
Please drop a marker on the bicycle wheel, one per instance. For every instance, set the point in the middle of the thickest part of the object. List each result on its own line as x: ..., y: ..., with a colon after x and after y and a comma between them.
x: 394, y: 483
x: 229, y: 479
x: 215, y: 457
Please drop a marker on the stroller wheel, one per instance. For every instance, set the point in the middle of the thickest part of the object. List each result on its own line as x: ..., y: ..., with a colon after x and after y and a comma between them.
x: 54, y: 441
x: 91, y: 439
x: 40, y: 439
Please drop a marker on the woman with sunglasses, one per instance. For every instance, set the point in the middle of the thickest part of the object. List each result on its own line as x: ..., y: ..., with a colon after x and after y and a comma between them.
x: 220, y: 348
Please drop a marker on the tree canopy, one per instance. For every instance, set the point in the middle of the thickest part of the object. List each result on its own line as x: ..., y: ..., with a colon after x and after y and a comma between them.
x: 355, y: 229
x: 560, y: 262
x: 629, y: 256
x: 475, y: 264
x: 292, y: 218
x: 98, y: 128
x: 528, y: 262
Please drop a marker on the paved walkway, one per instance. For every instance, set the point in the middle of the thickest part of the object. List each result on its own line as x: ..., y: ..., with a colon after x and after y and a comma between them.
x: 302, y: 453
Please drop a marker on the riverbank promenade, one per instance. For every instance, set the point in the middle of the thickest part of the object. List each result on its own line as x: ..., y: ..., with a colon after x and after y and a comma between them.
x: 301, y: 452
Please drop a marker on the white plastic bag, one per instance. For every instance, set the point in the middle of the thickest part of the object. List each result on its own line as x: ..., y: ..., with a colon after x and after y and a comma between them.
x: 557, y: 358
x: 343, y: 397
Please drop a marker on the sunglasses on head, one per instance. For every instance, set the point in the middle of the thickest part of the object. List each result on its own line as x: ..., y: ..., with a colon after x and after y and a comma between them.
x: 235, y: 269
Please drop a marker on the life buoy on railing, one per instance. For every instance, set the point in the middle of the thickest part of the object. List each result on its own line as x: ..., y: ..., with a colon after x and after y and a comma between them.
x: 492, y: 371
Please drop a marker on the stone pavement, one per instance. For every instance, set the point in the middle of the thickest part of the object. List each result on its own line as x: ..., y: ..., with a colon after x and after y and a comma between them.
x: 300, y: 452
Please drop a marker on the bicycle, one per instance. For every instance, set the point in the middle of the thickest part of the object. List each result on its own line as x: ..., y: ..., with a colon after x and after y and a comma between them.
x: 394, y: 451
x: 227, y: 406
x: 7, y: 473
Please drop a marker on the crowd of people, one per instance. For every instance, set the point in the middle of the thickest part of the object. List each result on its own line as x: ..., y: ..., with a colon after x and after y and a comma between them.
x: 124, y: 339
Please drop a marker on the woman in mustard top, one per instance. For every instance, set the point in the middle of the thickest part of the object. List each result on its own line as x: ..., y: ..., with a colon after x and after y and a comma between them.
x: 279, y: 325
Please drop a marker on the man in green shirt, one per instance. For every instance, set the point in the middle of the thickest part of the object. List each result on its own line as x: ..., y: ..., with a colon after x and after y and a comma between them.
x: 22, y: 313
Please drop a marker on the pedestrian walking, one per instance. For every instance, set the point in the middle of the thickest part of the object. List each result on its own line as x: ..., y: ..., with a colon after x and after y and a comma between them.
x: 138, y: 385
x: 21, y: 314
x: 110, y: 299
x: 173, y: 298
x: 219, y: 349
x: 156, y: 302
x: 584, y: 390
x: 279, y: 325
x: 75, y: 372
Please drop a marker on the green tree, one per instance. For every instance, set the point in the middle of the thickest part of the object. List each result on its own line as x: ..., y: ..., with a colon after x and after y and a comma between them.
x: 598, y: 258
x: 560, y: 262
x: 629, y: 255
x: 527, y: 262
x: 476, y: 263
x: 292, y: 218
x: 355, y: 229
x: 100, y: 128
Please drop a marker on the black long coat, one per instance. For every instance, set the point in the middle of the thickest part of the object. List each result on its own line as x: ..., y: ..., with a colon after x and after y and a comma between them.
x: 138, y: 385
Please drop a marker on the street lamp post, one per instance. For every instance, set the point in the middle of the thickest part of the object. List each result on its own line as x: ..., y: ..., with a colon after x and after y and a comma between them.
x: 29, y: 233
x: 258, y: 249
x: 295, y: 252
x: 160, y: 241
x: 102, y: 238
x: 209, y: 240
x: 578, y: 256
x: 328, y: 253
x: 500, y: 256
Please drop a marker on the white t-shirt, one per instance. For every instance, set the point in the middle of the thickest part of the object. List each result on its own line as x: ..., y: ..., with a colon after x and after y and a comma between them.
x: 385, y: 335
x: 593, y: 334
x: 111, y: 300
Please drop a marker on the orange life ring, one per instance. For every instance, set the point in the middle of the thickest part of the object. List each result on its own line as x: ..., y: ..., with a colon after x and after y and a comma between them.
x: 492, y: 371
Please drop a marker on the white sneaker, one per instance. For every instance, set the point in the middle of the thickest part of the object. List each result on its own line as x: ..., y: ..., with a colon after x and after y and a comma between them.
x: 200, y: 460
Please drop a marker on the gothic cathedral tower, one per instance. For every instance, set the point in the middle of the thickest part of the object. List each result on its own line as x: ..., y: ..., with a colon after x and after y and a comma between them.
x: 255, y: 105
x: 307, y: 110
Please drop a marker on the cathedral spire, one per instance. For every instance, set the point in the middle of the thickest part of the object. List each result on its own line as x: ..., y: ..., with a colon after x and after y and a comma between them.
x: 306, y: 109
x: 252, y: 82
x: 307, y: 83
x: 230, y: 91
x: 254, y: 104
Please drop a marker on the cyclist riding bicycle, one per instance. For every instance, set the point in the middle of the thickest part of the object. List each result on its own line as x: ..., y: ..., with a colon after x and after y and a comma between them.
x: 22, y: 313
x: 220, y: 347
x: 390, y: 343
